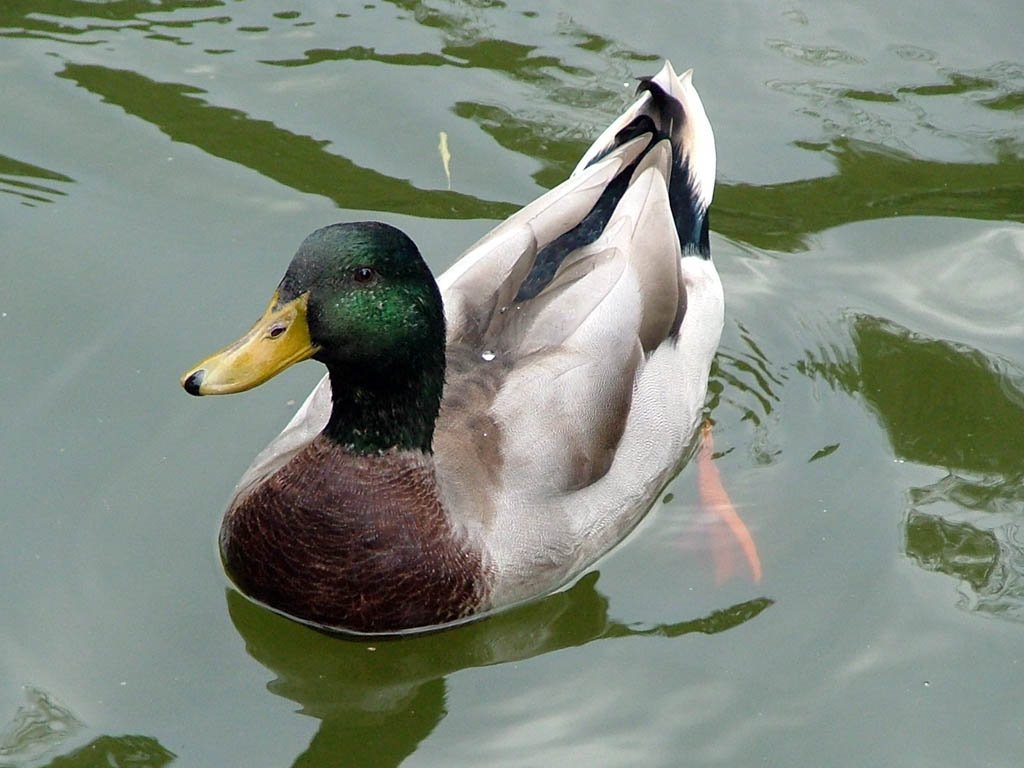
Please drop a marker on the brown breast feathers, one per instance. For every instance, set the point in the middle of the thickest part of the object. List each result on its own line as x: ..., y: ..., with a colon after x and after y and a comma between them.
x: 353, y: 543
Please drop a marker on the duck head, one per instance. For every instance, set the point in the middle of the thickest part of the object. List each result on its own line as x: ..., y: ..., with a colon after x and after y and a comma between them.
x: 359, y: 298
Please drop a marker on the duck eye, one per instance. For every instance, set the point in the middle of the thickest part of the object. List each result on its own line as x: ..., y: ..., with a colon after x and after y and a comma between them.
x: 364, y: 275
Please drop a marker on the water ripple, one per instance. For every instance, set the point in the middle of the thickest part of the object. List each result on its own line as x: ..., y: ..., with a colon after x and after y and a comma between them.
x: 301, y: 162
x: 814, y: 55
x: 972, y: 529
x: 24, y: 180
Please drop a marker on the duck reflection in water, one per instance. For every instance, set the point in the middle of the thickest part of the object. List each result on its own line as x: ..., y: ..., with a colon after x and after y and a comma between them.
x: 377, y: 699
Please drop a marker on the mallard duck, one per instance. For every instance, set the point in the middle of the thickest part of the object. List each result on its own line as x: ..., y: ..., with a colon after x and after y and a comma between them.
x: 480, y: 440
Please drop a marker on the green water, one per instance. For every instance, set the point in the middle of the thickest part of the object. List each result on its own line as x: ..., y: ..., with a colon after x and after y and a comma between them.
x: 162, y: 160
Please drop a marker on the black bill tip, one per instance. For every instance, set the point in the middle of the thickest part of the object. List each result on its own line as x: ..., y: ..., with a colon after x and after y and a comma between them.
x: 194, y: 381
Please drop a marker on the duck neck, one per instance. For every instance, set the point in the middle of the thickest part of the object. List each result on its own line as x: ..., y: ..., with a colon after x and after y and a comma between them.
x: 374, y: 414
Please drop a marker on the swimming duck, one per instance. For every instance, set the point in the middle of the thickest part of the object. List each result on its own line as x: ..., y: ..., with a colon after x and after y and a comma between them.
x: 480, y: 440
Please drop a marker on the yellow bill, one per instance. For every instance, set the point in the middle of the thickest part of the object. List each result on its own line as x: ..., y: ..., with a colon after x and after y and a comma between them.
x: 278, y: 340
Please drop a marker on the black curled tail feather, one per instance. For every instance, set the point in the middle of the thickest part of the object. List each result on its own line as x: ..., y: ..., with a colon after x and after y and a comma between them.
x: 660, y: 113
x: 690, y: 214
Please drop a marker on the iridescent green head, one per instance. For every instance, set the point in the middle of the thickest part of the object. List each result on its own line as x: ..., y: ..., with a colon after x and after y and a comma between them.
x: 359, y: 298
